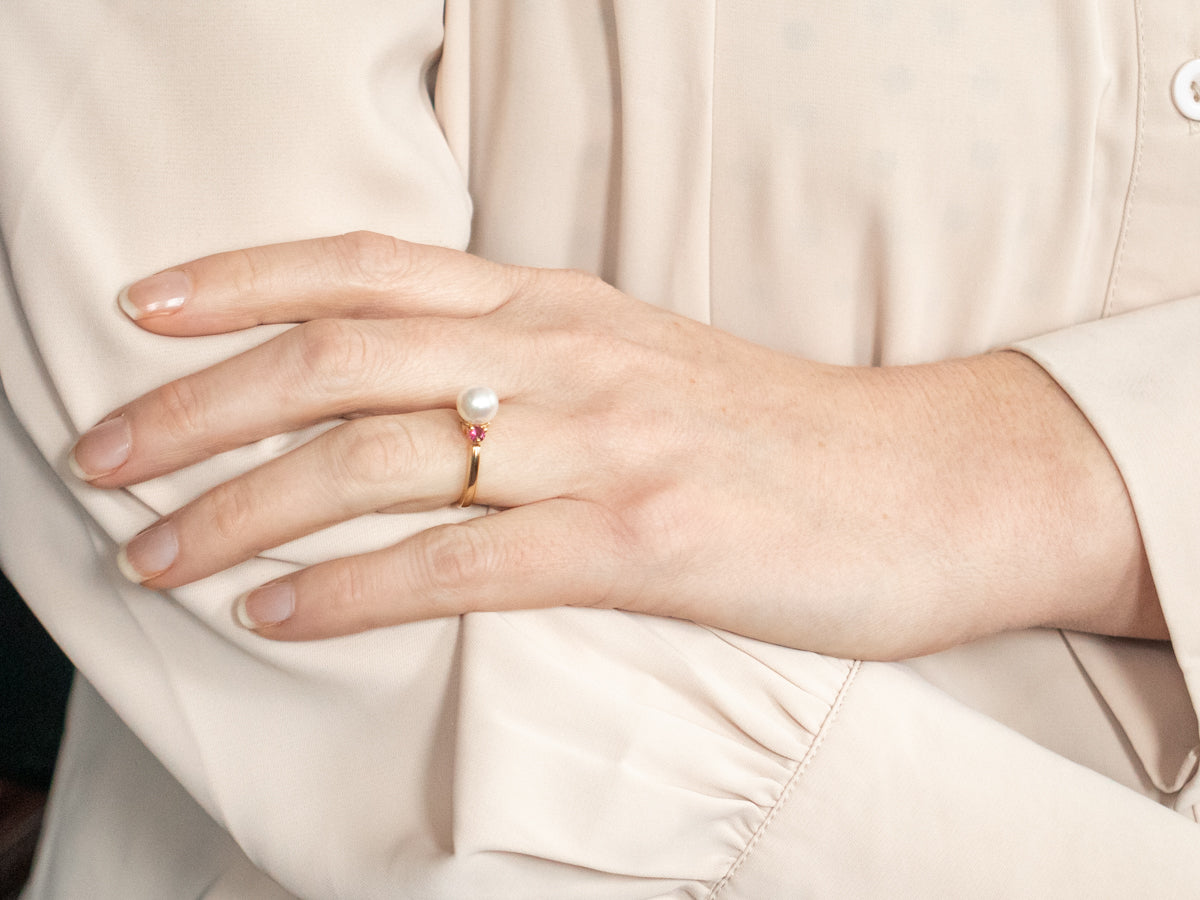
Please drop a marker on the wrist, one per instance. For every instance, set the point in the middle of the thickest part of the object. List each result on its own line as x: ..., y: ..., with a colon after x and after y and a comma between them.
x: 1029, y: 500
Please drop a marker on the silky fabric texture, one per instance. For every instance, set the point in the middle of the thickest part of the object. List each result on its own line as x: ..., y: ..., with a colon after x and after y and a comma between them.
x: 859, y: 185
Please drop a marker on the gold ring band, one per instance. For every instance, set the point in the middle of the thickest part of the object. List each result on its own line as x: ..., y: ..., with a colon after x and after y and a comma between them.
x: 468, y: 491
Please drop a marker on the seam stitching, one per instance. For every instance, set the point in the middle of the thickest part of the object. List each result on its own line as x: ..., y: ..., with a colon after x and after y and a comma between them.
x: 801, y: 767
x: 1127, y: 215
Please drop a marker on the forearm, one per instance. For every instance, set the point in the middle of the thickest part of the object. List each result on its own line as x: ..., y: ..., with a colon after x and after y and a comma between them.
x: 1023, y: 513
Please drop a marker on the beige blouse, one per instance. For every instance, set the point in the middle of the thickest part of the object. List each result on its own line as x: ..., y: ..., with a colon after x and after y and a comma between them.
x: 861, y: 183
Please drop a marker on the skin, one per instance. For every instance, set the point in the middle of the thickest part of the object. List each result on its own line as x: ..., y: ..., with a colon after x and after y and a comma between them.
x: 643, y: 461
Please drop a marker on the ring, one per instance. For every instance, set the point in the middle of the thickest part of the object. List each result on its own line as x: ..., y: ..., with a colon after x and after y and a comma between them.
x: 477, y: 406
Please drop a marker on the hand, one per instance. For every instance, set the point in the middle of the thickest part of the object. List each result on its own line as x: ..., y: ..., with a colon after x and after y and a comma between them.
x: 642, y: 461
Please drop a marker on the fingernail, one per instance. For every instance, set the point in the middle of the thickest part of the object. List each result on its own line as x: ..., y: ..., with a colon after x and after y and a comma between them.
x: 267, y: 605
x: 150, y: 553
x: 158, y: 295
x: 102, y: 450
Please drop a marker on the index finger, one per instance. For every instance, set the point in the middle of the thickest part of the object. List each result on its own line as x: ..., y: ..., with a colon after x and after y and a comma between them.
x: 357, y: 275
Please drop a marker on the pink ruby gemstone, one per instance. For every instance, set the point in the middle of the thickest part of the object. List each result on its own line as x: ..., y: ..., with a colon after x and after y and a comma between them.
x: 476, y: 433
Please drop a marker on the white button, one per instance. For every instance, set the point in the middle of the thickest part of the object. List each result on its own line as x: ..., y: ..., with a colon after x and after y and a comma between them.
x: 1186, y: 90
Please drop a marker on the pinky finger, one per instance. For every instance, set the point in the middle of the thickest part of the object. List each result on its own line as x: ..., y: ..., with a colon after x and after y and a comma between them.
x: 554, y: 553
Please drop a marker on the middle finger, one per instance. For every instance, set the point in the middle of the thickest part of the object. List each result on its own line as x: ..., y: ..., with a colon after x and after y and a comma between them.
x: 314, y: 372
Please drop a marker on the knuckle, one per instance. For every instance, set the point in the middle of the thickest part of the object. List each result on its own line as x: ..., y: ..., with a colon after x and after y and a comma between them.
x: 520, y: 280
x: 456, y: 556
x: 580, y: 278
x: 376, y: 451
x: 333, y: 355
x: 231, y: 510
x: 345, y: 592
x: 605, y: 363
x: 578, y: 345
x: 371, y: 260
x: 579, y: 286
x: 247, y: 272
x: 665, y: 519
x: 560, y: 288
x: 183, y: 409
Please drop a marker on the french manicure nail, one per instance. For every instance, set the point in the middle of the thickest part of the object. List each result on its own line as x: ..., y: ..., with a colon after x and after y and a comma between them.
x: 102, y: 450
x: 158, y: 295
x: 267, y: 605
x: 150, y: 553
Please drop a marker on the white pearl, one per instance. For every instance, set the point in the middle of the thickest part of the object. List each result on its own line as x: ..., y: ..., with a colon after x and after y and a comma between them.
x: 478, y: 405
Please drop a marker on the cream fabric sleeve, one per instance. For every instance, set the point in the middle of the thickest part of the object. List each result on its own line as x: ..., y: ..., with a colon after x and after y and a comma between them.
x: 1137, y: 379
